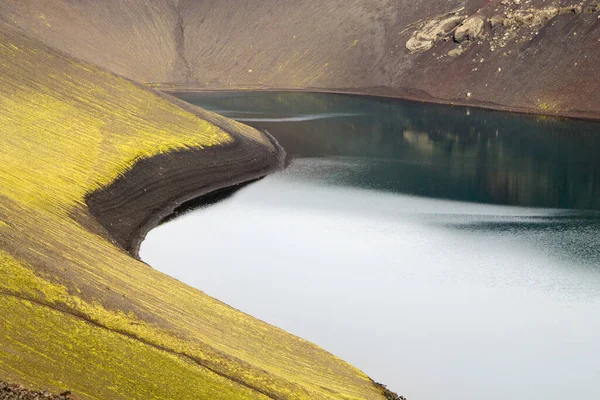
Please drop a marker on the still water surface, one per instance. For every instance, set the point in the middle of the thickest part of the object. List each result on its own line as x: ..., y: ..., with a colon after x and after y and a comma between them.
x: 449, y: 253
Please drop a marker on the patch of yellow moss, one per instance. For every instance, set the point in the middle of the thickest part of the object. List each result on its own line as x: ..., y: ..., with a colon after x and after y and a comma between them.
x: 16, y: 279
x: 548, y: 106
x: 78, y: 140
x: 204, y: 329
x: 97, y: 363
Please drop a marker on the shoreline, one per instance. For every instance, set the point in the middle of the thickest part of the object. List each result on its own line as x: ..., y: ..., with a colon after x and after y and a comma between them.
x: 106, y: 210
x: 118, y: 201
x: 154, y: 188
x: 388, y: 93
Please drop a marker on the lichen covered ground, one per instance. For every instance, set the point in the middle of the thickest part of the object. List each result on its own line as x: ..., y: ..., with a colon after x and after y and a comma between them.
x: 77, y: 312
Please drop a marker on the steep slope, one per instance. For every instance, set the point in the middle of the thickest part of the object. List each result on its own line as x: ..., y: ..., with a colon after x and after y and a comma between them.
x: 77, y: 311
x: 133, y: 38
x: 529, y: 63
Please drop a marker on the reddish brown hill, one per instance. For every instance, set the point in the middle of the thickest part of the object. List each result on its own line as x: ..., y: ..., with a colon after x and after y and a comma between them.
x: 525, y: 56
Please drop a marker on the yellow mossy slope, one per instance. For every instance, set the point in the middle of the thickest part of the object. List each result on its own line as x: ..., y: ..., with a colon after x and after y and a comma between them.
x: 81, y: 125
x: 78, y: 313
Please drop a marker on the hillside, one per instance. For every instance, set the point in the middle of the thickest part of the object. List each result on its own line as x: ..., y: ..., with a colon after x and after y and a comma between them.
x: 80, y: 150
x: 537, y: 56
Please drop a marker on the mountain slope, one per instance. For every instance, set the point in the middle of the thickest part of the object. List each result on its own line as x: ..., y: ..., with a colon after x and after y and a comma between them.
x: 77, y: 311
x: 542, y: 65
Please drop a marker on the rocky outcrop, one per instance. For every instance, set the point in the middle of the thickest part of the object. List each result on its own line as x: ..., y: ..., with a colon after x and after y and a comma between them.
x: 457, y: 51
x: 533, y: 17
x: 425, y: 38
x: 471, y: 29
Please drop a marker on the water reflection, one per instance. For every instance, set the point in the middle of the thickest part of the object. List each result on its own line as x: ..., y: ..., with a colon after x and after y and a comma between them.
x: 434, y: 151
x: 570, y: 238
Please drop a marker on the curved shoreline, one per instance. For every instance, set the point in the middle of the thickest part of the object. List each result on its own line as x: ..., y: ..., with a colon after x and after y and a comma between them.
x: 140, y: 199
x: 119, y: 202
x: 154, y: 187
x: 389, y: 93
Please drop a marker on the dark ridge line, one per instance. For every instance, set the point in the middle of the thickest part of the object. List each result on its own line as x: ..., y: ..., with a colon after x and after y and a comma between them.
x: 169, y: 209
x: 179, y: 35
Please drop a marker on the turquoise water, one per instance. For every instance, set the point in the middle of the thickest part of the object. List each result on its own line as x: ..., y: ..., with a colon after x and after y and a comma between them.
x: 449, y: 253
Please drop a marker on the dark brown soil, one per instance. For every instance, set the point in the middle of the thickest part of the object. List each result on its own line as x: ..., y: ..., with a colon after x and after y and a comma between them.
x: 335, y: 45
x: 155, y: 187
x: 152, y: 190
x: 388, y: 394
x: 10, y: 391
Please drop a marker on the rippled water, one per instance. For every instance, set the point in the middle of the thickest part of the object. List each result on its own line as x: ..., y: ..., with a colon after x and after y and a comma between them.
x: 449, y: 253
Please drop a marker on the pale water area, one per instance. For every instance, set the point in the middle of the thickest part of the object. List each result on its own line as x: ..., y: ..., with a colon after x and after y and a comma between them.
x: 448, y: 253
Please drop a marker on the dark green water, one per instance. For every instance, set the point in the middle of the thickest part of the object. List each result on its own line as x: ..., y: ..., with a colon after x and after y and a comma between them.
x: 449, y: 253
x: 434, y: 151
